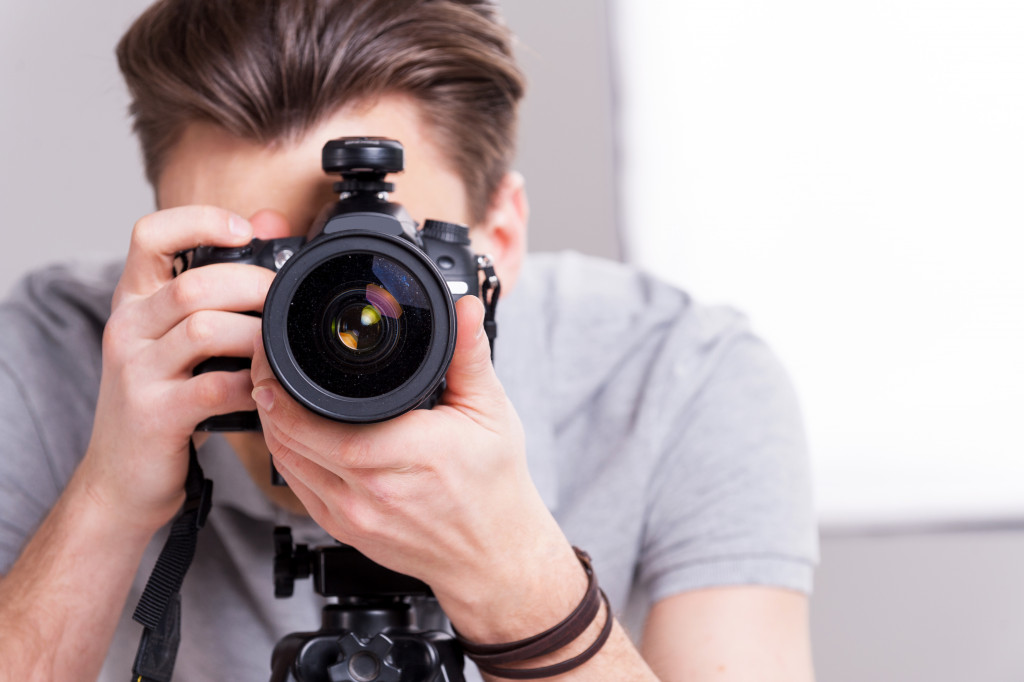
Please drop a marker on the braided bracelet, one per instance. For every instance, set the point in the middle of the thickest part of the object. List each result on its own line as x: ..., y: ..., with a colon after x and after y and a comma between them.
x: 492, y: 658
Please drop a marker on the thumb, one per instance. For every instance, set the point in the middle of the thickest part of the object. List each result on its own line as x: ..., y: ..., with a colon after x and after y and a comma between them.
x: 471, y: 376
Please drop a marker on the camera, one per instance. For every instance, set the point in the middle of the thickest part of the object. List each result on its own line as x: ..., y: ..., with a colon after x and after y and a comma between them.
x: 359, y: 326
x: 359, y: 323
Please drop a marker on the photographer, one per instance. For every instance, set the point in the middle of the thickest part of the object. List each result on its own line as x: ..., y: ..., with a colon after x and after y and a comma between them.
x: 620, y: 417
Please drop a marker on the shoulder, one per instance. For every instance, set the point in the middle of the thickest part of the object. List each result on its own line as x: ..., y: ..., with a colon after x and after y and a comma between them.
x: 584, y: 286
x: 592, y: 324
x: 52, y: 326
x: 82, y: 287
x: 675, y: 409
x: 56, y: 308
x: 50, y: 349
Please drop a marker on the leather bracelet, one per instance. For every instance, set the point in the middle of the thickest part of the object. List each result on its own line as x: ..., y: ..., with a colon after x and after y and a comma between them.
x: 564, y: 666
x: 492, y: 658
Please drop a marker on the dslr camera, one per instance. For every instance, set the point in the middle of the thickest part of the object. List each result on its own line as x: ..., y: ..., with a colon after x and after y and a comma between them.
x: 359, y: 324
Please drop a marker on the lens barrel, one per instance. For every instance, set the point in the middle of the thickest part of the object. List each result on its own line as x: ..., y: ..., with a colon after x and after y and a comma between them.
x: 359, y: 326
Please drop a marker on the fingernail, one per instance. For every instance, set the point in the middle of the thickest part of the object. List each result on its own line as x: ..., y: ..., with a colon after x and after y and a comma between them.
x: 239, y: 227
x: 479, y: 330
x: 264, y: 397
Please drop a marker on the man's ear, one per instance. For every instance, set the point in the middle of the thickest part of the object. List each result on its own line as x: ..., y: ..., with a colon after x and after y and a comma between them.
x: 502, y: 234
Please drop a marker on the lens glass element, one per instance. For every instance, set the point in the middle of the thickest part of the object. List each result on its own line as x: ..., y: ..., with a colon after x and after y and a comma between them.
x: 363, y: 320
x: 360, y: 325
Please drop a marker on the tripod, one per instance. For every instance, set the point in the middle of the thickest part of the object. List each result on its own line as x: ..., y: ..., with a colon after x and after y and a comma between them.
x: 373, y: 633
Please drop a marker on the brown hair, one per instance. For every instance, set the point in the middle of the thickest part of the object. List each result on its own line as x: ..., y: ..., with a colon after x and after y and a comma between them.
x: 266, y: 70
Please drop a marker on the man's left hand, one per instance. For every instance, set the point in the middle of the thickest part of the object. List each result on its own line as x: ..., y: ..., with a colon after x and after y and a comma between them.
x: 443, y: 495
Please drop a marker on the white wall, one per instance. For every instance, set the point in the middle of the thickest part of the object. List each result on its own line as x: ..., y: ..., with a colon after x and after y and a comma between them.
x: 850, y: 174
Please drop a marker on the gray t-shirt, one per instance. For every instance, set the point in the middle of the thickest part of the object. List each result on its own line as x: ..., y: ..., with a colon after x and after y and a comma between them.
x: 663, y: 435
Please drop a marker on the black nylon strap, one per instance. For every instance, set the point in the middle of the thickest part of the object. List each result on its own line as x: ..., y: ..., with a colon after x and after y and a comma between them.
x: 158, y: 649
x: 159, y: 607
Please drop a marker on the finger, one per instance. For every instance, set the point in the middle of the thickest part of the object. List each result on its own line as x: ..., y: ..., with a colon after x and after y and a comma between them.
x: 327, y: 501
x: 336, y: 446
x: 310, y: 500
x: 157, y: 237
x: 202, y: 335
x: 320, y: 482
x: 471, y: 380
x: 213, y: 393
x: 222, y: 286
x: 295, y: 430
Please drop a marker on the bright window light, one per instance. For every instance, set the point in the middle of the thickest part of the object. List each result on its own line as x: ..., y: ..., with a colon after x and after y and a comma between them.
x: 851, y: 175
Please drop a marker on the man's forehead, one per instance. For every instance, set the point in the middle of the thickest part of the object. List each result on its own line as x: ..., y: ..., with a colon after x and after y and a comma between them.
x: 211, y: 165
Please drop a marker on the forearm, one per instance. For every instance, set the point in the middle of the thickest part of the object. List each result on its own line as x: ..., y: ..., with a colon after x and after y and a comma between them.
x: 62, y: 598
x: 730, y: 634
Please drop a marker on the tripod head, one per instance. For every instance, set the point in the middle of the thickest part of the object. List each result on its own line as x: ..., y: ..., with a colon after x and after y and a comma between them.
x: 374, y: 633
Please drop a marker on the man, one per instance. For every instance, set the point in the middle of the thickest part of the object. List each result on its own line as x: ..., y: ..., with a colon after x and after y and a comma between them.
x: 657, y: 435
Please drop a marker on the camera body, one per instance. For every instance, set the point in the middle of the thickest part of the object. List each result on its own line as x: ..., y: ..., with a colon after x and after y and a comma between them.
x: 359, y: 324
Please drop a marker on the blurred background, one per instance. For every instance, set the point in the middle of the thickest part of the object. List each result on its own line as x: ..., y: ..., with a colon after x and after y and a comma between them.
x: 848, y: 174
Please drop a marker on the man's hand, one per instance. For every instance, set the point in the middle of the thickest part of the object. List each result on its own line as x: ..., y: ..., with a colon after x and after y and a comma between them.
x: 160, y: 328
x: 61, y: 600
x: 442, y: 494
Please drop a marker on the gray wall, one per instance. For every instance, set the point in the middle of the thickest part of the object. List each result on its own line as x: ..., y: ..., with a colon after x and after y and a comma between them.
x: 909, y: 605
x: 70, y: 185
x: 567, y: 146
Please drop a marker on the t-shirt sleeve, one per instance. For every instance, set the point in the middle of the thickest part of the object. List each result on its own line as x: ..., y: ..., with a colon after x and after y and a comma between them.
x: 27, y: 484
x: 731, y: 501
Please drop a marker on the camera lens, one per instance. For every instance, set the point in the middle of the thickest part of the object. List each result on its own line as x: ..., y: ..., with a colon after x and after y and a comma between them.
x: 359, y: 327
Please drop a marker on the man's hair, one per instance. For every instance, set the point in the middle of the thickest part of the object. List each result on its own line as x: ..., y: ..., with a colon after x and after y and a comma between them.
x: 268, y: 70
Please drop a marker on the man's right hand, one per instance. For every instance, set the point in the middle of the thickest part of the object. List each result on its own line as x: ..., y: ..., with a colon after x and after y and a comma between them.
x: 61, y: 601
x: 160, y: 327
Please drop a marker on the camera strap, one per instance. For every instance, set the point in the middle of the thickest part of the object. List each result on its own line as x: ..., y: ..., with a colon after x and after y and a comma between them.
x: 490, y: 289
x: 159, y: 608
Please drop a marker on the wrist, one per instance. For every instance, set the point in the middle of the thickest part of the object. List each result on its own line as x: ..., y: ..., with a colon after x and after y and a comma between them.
x: 520, y: 597
x: 557, y: 650
x: 91, y: 494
